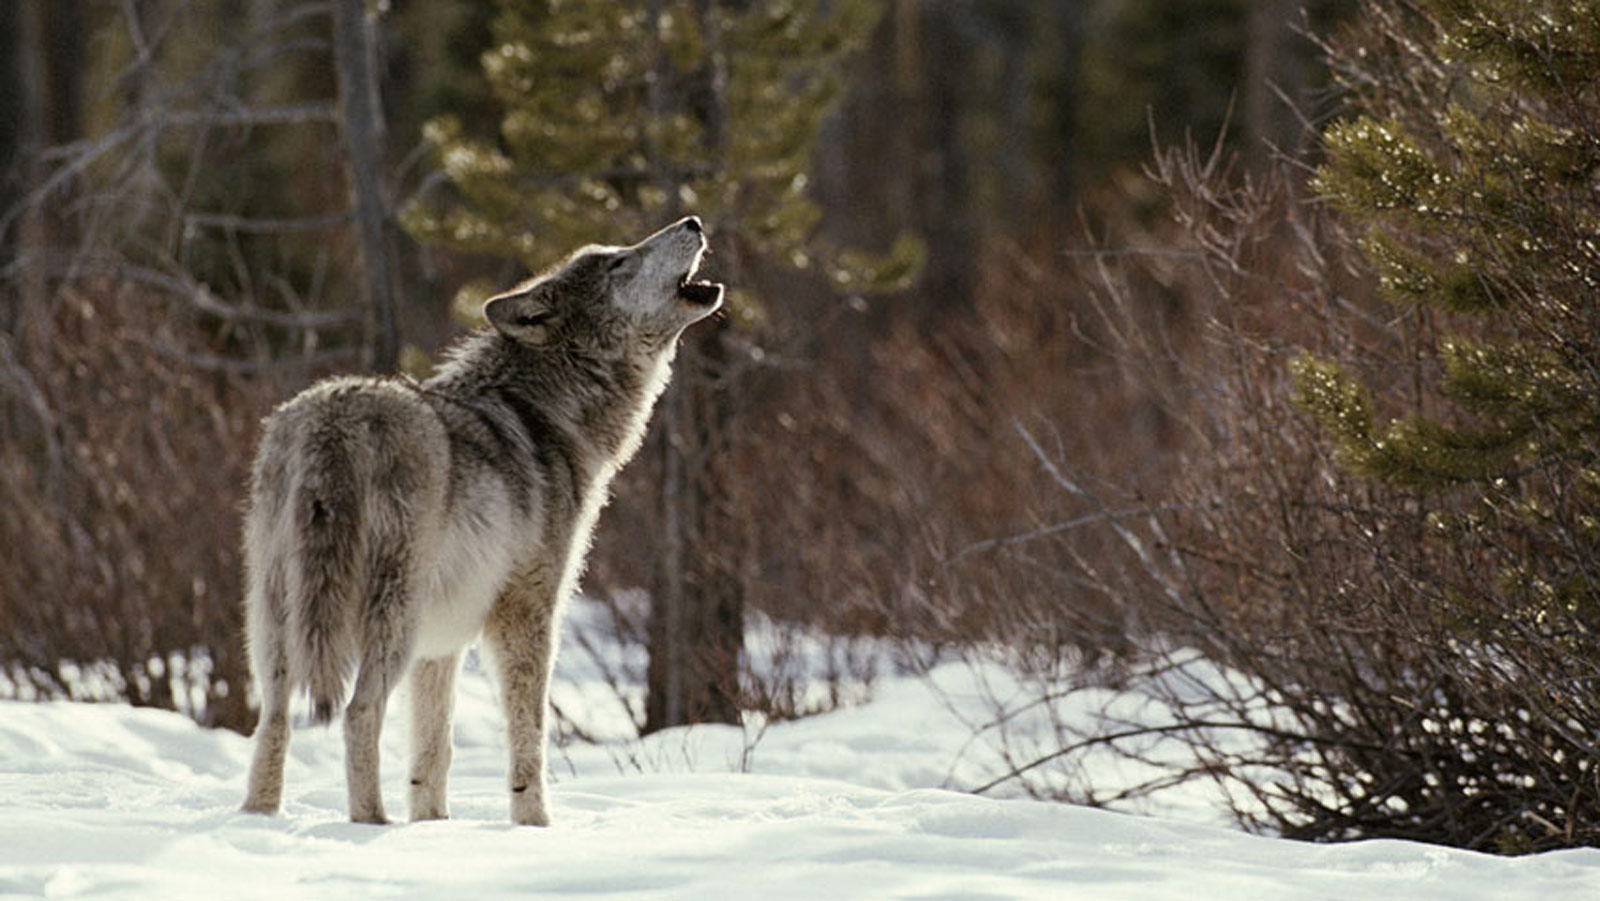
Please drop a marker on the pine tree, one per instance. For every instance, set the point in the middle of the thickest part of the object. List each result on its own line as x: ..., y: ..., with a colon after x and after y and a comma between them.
x: 1470, y: 173
x: 618, y: 118
x: 1474, y: 182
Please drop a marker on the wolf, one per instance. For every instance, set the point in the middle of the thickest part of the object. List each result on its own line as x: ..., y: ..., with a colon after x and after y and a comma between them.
x: 390, y: 523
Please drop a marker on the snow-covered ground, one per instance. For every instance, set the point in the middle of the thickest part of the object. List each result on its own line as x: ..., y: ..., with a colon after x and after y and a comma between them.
x: 111, y: 802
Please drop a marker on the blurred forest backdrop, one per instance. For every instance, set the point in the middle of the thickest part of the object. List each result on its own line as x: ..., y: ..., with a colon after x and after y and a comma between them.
x: 1080, y: 332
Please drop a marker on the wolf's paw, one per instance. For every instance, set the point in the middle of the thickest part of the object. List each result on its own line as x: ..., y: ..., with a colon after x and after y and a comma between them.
x: 428, y: 802
x: 527, y: 809
x: 259, y: 808
x: 369, y: 817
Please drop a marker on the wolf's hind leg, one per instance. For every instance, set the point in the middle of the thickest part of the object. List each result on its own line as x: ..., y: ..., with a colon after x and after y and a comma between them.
x: 363, y: 725
x: 432, y: 698
x: 265, y: 793
x: 270, y: 667
x: 386, y: 636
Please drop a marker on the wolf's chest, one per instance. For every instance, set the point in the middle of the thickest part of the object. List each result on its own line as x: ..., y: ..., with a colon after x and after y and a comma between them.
x: 471, y: 566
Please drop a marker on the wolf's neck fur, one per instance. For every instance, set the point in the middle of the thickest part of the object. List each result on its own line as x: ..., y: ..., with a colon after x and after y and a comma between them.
x: 603, y: 404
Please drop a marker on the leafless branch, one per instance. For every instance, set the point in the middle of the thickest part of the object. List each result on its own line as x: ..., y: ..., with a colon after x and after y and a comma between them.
x: 210, y: 363
x: 1091, y: 519
x: 257, y: 225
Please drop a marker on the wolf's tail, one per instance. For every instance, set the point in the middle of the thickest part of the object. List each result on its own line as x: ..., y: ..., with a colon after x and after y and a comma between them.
x: 324, y: 601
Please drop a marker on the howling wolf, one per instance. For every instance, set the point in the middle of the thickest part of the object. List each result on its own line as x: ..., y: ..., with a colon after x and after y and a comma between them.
x: 391, y: 522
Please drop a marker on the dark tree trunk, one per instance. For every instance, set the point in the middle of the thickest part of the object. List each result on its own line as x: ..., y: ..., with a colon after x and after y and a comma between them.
x: 947, y: 182
x: 1274, y: 78
x: 1064, y: 98
x: 864, y: 202
x: 1010, y: 27
x: 43, y: 65
x: 361, y: 120
x: 62, y: 31
x: 696, y: 631
x: 16, y: 103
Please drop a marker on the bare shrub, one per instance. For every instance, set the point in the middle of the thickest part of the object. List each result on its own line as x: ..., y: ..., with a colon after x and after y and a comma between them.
x: 119, y: 488
x: 177, y: 271
x: 1371, y: 689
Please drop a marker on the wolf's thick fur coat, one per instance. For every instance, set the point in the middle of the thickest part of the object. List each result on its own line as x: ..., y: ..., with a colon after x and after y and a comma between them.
x: 390, y: 523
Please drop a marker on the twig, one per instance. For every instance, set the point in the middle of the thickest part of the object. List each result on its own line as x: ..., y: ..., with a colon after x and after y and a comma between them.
x: 255, y: 225
x: 223, y: 364
x: 990, y: 544
x: 1127, y: 536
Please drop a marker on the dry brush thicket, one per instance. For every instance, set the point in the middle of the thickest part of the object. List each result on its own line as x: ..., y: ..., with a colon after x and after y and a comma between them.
x: 119, y: 490
x: 1380, y: 676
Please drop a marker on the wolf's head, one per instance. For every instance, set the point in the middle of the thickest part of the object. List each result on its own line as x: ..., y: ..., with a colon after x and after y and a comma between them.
x: 613, y: 301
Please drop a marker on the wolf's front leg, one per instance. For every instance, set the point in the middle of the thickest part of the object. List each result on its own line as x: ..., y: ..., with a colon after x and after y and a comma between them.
x: 521, y: 636
x: 432, y: 699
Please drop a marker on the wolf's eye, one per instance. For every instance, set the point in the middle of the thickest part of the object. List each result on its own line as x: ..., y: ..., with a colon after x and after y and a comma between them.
x: 529, y: 320
x: 620, y: 264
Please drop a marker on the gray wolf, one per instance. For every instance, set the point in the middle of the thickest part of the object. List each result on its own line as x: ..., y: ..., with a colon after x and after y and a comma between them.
x: 390, y: 523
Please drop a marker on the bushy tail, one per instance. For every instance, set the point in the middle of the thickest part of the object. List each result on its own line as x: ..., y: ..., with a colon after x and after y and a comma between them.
x: 328, y: 528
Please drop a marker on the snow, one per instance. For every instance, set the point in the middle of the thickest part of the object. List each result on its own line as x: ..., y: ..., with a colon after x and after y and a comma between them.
x: 108, y: 801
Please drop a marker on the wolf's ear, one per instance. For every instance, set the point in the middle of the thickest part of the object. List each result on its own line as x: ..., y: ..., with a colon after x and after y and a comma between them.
x: 525, y: 314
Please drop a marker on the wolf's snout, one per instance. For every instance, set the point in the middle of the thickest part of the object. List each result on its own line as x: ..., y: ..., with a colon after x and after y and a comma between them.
x: 674, y: 255
x: 703, y: 294
x: 686, y: 235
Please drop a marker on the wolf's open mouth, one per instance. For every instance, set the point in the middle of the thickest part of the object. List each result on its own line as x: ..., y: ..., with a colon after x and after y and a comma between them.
x: 700, y: 293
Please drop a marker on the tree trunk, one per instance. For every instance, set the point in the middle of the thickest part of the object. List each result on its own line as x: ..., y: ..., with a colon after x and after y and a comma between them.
x: 948, y: 211
x: 1065, y: 93
x: 696, y: 631
x: 1011, y: 28
x: 1273, y: 67
x: 361, y: 121
x: 15, y: 134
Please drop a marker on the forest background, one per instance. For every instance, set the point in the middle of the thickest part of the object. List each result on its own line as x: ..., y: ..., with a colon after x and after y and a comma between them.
x: 1087, y: 334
